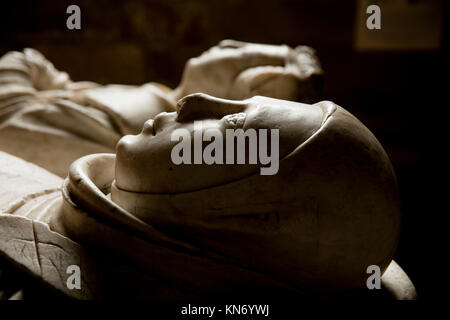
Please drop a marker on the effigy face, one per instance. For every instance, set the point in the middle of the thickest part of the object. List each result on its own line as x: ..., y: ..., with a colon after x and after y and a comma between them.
x: 239, y: 70
x: 254, y: 192
x: 79, y: 118
x: 330, y: 210
x: 145, y: 162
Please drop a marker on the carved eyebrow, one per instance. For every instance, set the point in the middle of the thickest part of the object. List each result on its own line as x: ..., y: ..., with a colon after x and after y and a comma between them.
x: 202, y: 106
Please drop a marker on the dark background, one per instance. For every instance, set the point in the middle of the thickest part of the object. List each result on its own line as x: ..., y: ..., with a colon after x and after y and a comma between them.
x: 398, y: 95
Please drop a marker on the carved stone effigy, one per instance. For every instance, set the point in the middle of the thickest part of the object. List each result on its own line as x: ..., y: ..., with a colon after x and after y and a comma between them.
x: 139, y: 226
x: 49, y: 120
x: 293, y: 233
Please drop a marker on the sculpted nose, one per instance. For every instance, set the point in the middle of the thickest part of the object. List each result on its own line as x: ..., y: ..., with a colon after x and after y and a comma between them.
x: 198, y: 106
x: 148, y: 127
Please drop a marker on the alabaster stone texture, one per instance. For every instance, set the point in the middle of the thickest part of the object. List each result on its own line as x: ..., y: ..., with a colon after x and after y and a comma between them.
x: 295, y: 233
x: 331, y: 211
x: 51, y: 121
x: 147, y: 228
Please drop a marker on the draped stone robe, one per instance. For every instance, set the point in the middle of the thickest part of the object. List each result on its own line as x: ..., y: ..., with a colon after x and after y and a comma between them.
x: 47, y: 119
x: 120, y: 256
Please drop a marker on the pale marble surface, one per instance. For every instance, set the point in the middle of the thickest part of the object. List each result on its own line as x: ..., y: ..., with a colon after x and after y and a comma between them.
x: 312, y: 229
x: 191, y: 256
x: 47, y: 119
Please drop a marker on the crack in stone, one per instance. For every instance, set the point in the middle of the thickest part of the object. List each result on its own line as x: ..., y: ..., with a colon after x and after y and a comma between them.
x: 57, y: 271
x: 36, y: 248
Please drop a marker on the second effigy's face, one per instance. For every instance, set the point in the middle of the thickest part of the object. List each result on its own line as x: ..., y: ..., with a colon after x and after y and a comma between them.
x: 145, y: 162
x: 240, y: 70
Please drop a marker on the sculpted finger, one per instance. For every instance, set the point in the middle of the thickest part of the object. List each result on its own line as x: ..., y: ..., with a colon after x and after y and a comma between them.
x: 229, y: 43
x: 237, y: 56
x: 262, y: 55
x: 271, y: 81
